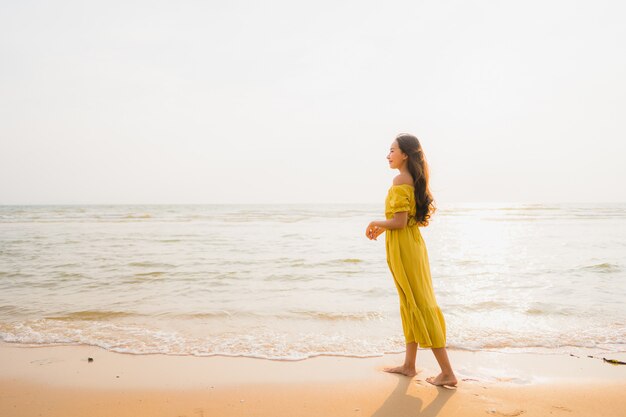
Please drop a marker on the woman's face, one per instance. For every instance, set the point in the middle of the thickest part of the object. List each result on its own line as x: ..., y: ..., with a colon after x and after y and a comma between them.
x: 395, y: 156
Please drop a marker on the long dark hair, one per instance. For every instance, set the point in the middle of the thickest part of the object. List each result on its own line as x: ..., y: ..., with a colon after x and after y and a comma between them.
x: 418, y: 167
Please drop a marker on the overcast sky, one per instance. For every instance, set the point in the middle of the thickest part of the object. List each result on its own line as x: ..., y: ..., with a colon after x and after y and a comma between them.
x: 298, y: 102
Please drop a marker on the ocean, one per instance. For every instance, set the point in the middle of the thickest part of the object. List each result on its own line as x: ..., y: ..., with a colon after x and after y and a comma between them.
x: 289, y: 282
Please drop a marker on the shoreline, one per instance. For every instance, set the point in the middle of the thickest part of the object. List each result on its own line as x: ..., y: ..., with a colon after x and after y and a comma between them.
x: 60, y: 381
x: 542, y: 351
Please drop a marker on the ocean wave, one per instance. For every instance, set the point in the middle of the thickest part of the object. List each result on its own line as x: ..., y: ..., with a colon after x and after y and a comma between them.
x: 150, y: 274
x: 349, y: 260
x: 91, y: 315
x: 604, y: 267
x: 138, y: 216
x: 64, y: 275
x: 66, y: 265
x: 334, y: 316
x: 148, y: 264
x: 143, y: 340
x: 277, y: 345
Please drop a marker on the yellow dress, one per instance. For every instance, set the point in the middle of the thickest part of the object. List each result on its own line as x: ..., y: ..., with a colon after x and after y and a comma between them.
x: 422, y: 319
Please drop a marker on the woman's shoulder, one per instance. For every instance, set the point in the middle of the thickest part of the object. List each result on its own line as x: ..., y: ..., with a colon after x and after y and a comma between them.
x: 403, y: 179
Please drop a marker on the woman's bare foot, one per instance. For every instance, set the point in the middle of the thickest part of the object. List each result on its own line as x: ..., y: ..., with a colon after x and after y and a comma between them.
x: 404, y: 370
x: 442, y: 379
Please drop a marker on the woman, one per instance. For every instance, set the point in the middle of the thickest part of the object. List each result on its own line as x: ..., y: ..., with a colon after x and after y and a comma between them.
x: 409, y: 205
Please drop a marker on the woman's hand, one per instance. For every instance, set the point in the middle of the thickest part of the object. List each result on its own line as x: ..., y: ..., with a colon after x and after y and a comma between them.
x: 373, y: 231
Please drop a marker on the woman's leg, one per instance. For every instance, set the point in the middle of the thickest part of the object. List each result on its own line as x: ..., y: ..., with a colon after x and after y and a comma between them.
x: 446, y: 377
x: 408, y: 368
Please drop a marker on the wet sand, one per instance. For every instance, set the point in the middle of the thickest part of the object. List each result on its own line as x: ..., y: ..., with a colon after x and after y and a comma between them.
x: 61, y: 381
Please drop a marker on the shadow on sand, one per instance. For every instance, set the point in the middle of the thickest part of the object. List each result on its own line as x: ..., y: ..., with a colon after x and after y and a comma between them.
x: 401, y: 404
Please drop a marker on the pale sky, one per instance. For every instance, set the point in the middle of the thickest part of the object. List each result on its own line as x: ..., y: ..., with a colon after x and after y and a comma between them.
x: 298, y: 102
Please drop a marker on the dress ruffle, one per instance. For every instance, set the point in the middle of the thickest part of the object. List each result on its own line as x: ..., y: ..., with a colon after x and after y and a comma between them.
x: 400, y: 198
x: 424, y: 325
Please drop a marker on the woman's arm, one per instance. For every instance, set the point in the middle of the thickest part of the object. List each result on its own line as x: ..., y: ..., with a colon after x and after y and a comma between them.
x: 375, y: 228
x: 398, y: 221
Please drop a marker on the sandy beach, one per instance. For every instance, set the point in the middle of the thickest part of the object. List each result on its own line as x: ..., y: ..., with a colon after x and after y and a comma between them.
x: 61, y: 381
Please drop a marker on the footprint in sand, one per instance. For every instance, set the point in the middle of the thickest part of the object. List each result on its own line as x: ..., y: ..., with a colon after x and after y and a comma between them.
x: 504, y: 379
x: 506, y: 413
x: 46, y: 361
x: 560, y: 407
